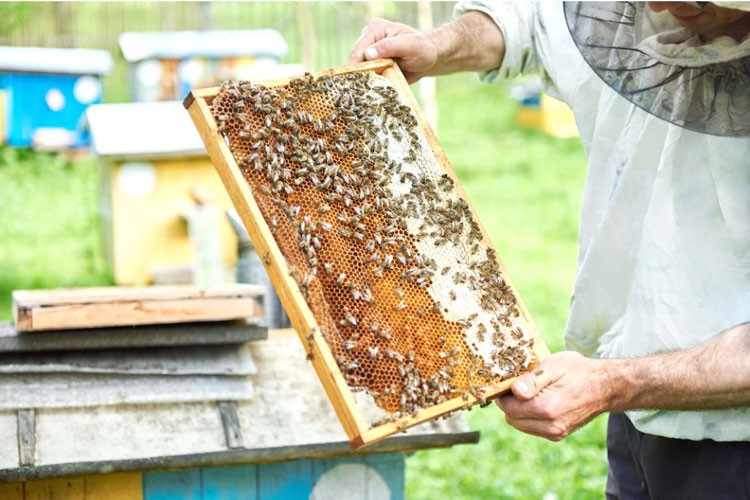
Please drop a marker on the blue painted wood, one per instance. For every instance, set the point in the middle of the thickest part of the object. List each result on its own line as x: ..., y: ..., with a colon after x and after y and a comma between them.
x: 389, y: 467
x: 229, y: 483
x: 172, y: 485
x: 280, y: 481
x: 392, y: 468
x: 285, y: 480
x: 27, y: 110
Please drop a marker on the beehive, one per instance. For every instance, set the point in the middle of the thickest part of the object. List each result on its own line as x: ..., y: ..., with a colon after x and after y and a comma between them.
x: 379, y: 259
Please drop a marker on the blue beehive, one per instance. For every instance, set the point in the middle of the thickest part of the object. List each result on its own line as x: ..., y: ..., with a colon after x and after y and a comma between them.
x: 47, y: 91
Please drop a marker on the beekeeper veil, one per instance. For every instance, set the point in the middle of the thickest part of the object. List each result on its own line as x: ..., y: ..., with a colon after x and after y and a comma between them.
x: 653, y: 61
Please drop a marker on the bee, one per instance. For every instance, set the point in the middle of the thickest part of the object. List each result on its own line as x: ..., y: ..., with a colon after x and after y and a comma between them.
x: 350, y: 318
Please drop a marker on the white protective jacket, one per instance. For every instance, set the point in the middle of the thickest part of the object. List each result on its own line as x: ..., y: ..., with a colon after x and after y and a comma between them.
x: 664, y: 244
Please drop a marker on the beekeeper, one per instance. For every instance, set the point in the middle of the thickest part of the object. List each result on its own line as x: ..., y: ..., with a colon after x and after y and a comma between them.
x: 658, y: 326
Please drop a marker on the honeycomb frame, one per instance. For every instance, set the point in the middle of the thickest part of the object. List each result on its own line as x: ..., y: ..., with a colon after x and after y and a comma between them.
x: 330, y: 359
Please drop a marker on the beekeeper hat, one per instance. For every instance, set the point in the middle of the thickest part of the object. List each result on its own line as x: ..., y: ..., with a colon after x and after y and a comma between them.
x: 664, y: 68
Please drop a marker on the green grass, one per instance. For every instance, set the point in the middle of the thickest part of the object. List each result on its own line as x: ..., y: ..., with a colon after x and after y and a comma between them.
x: 524, y: 185
x: 526, y: 188
x: 49, y: 235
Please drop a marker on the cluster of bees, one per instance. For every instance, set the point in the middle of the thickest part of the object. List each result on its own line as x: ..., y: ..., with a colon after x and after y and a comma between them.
x: 390, y: 260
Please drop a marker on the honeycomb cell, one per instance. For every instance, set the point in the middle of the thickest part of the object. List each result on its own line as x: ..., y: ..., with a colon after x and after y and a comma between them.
x: 406, y: 292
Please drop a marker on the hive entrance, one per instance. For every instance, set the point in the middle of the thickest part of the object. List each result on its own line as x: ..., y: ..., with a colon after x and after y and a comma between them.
x: 406, y: 292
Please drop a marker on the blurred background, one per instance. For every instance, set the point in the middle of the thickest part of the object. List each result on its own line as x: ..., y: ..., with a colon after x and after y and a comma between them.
x: 101, y: 182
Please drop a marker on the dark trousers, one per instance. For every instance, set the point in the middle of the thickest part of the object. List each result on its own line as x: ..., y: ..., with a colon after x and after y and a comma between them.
x: 642, y: 466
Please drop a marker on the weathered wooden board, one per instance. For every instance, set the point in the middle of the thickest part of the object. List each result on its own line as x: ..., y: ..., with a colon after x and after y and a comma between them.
x: 71, y: 390
x: 58, y: 309
x: 178, y: 334
x: 264, y: 210
x: 184, y: 360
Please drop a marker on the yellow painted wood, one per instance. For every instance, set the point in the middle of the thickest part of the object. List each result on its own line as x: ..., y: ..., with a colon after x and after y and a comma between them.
x: 148, y: 232
x: 117, y: 306
x: 55, y: 489
x: 120, y: 486
x: 559, y: 120
x: 11, y: 491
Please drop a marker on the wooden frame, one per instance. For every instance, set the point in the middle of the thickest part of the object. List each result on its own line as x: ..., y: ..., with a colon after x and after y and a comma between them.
x: 96, y: 307
x: 302, y: 318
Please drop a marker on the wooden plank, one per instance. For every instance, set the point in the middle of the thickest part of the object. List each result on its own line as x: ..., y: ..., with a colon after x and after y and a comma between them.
x: 285, y: 480
x: 87, y: 295
x: 343, y: 478
x: 289, y: 292
x: 230, y: 360
x: 229, y: 483
x: 36, y: 310
x: 119, y: 486
x: 316, y: 451
x: 231, y: 423
x: 378, y: 65
x: 55, y: 489
x: 9, y: 458
x: 392, y: 468
x: 371, y: 476
x: 26, y: 437
x: 170, y: 485
x: 71, y: 390
x: 182, y: 334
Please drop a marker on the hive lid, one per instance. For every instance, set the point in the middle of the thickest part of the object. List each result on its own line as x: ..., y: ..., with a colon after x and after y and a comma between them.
x: 137, y: 46
x: 48, y: 60
x: 136, y: 130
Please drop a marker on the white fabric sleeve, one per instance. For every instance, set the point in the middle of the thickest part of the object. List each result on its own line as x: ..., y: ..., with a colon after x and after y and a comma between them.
x: 516, y: 22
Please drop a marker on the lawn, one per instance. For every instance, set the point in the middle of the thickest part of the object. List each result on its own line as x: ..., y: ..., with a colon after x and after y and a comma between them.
x: 49, y: 233
x: 526, y: 188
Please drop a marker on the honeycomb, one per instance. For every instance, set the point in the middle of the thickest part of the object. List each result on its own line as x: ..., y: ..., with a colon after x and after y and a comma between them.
x: 408, y: 295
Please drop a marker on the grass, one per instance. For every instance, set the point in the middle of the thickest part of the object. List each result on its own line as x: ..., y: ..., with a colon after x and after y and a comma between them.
x: 524, y: 185
x: 49, y: 236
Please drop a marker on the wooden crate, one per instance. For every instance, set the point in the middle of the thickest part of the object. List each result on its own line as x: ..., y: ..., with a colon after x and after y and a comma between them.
x: 294, y: 289
x: 92, y: 307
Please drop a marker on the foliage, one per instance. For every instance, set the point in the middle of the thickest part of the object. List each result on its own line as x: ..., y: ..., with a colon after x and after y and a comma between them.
x: 13, y: 15
x: 49, y: 235
x: 525, y: 186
